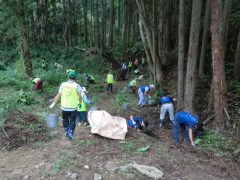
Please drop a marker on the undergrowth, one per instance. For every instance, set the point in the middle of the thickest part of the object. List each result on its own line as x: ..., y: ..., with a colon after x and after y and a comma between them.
x: 219, y: 144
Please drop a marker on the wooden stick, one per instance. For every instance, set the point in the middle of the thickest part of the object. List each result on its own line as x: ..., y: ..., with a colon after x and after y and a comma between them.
x: 84, y: 50
x: 208, y: 119
x: 9, y: 137
x: 225, y: 110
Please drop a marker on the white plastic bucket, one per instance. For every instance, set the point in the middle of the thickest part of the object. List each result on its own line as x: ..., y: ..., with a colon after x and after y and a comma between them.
x: 150, y: 101
x: 52, y: 120
x: 125, y: 106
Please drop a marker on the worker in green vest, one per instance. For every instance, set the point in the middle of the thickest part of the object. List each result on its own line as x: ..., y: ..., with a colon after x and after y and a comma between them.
x: 82, y: 110
x: 130, y: 65
x: 132, y: 85
x: 70, y: 94
x: 38, y: 84
x: 110, y: 81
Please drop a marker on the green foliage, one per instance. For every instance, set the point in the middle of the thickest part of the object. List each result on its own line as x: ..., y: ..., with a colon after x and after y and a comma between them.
x: 85, y: 143
x: 217, y: 143
x: 8, y: 30
x: 122, y: 97
x: 143, y: 149
x: 25, y: 98
x: 59, y: 164
x: 128, y: 146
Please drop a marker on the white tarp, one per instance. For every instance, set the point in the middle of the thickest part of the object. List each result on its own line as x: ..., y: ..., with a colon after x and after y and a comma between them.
x: 103, y: 124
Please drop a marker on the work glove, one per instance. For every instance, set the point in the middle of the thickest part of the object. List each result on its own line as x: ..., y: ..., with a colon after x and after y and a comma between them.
x: 134, y: 123
x: 193, y: 144
x: 52, y: 105
x: 150, y: 97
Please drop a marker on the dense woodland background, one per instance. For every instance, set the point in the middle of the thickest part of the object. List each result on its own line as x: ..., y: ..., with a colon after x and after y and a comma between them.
x: 198, y: 39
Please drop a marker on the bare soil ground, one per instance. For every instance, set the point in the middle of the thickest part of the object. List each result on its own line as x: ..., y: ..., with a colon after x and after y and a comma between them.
x: 59, y: 158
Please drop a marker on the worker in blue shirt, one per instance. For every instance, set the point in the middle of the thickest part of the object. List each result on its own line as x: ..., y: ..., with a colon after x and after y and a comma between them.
x: 137, y: 122
x: 166, y: 105
x: 143, y: 91
x: 184, y: 119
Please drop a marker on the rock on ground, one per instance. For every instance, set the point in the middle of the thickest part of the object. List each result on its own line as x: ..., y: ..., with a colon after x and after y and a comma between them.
x: 97, y: 176
x: 149, y: 171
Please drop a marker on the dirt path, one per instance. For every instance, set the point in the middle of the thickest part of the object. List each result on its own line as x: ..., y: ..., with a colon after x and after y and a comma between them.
x: 60, y: 158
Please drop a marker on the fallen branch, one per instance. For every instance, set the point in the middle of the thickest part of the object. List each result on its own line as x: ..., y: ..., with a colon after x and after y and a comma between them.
x: 225, y: 110
x: 9, y: 137
x: 84, y: 50
x: 208, y: 119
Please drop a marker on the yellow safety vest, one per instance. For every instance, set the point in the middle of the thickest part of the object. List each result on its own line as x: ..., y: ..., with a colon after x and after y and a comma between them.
x: 69, y: 97
x: 130, y: 64
x: 110, y: 79
x: 133, y: 83
x: 92, y: 77
x: 35, y: 80
x: 83, y: 107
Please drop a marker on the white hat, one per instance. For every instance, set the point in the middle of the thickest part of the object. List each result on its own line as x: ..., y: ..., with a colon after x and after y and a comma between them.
x: 152, y: 86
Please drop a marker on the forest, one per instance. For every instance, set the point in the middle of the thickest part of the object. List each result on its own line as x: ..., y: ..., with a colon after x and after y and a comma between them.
x: 191, y: 48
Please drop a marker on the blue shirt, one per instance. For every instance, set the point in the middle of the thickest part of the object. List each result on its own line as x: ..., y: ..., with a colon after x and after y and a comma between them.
x: 165, y: 99
x: 138, y: 121
x: 186, y: 119
x: 145, y: 88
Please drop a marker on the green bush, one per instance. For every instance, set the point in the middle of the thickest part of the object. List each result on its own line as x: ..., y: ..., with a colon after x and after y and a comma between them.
x: 217, y: 143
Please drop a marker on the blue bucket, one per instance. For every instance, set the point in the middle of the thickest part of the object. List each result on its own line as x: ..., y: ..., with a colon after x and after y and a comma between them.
x: 52, y: 120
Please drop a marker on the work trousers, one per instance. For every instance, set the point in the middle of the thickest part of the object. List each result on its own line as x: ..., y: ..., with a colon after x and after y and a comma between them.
x: 176, y: 126
x: 69, y: 119
x: 167, y: 107
x: 142, y: 98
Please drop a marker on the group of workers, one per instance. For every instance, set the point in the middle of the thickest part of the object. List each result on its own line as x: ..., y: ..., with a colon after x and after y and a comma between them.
x: 180, y: 120
x: 74, y: 101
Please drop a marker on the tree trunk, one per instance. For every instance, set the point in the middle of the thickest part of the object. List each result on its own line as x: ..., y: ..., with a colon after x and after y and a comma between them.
x: 24, y: 39
x: 181, y: 51
x: 96, y: 26
x: 104, y: 15
x: 54, y: 20
x: 134, y: 33
x: 226, y: 14
x: 237, y: 60
x: 204, y: 38
x: 119, y: 14
x: 85, y: 21
x: 211, y: 97
x: 167, y: 26
x: 219, y: 79
x: 125, y: 28
x: 154, y: 29
x: 192, y: 56
x: 110, y: 37
x: 146, y: 29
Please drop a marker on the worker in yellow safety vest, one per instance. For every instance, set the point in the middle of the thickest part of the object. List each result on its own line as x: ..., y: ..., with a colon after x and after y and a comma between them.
x: 70, y: 94
x: 110, y: 81
x: 130, y: 65
x: 38, y: 84
x: 82, y: 108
